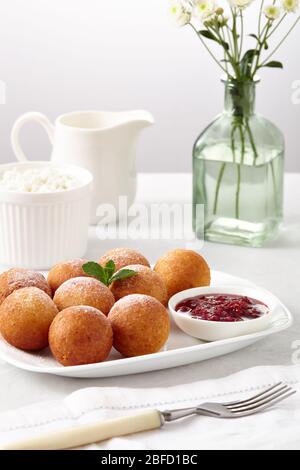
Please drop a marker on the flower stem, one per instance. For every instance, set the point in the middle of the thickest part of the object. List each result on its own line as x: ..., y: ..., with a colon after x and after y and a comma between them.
x: 237, y: 197
x: 243, y: 144
x: 281, y: 42
x: 227, y: 55
x: 260, y: 17
x: 262, y: 41
x: 274, y: 185
x: 242, y: 34
x: 251, y: 138
x: 228, y: 30
x: 239, y: 169
x: 235, y: 42
x: 218, y: 187
x: 208, y: 49
x: 277, y: 26
x: 233, y: 143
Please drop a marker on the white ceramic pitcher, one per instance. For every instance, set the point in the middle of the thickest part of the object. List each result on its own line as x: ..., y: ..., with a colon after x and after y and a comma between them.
x: 101, y: 142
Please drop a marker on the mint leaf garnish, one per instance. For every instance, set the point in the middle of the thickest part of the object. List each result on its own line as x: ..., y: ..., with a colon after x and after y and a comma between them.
x: 123, y: 274
x: 110, y: 268
x: 108, y: 274
x: 97, y: 271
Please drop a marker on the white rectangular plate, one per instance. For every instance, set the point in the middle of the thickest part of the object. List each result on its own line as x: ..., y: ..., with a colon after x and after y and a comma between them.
x: 180, y: 350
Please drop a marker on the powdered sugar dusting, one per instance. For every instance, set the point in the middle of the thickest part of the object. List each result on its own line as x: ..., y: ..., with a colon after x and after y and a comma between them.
x: 123, y: 257
x: 134, y: 299
x: 84, y: 291
x: 18, y: 275
x: 18, y: 278
x: 30, y: 295
x: 81, y: 283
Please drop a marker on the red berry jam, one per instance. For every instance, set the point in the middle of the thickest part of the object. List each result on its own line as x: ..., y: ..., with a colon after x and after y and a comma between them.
x: 222, y: 308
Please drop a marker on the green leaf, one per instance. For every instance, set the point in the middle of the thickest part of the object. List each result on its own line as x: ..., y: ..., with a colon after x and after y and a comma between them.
x: 274, y: 64
x: 255, y: 37
x: 123, y: 274
x: 225, y: 45
x: 110, y: 268
x: 97, y: 271
x: 249, y: 55
x: 247, y: 60
x: 208, y: 35
x: 108, y: 274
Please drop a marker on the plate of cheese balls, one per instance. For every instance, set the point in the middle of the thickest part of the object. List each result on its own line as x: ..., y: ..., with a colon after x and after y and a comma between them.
x: 110, y: 317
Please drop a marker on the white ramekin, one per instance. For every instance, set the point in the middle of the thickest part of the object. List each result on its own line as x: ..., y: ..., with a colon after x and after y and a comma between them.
x: 38, y: 230
x: 217, y: 331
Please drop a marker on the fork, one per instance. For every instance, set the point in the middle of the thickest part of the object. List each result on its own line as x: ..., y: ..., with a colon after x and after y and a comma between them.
x: 236, y: 409
x: 149, y: 420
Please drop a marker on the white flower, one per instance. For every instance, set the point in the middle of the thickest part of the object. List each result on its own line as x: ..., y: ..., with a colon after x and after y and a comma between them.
x: 204, y: 9
x: 180, y: 14
x: 290, y: 6
x: 241, y: 4
x: 272, y: 12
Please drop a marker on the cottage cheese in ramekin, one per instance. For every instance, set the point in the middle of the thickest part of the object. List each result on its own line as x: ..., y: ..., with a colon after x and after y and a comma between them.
x: 38, y: 180
x: 44, y: 213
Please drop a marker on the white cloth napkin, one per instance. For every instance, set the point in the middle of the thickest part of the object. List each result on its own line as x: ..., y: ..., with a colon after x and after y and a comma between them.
x: 277, y: 428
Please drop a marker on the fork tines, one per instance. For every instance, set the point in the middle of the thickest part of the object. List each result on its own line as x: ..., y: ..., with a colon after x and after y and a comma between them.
x: 263, y: 400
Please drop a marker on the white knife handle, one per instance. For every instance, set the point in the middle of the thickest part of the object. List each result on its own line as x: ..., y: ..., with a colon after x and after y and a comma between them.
x: 90, y: 433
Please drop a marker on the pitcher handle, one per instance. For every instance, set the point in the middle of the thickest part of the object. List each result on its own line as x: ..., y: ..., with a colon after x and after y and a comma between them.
x: 15, y: 133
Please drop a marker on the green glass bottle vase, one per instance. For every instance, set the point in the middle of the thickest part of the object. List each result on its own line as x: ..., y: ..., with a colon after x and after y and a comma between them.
x: 238, y: 169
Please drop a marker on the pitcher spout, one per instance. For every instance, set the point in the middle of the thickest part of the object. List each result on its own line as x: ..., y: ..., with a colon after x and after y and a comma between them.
x: 139, y: 118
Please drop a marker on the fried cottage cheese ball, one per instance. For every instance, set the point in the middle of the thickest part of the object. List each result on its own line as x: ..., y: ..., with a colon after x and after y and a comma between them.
x: 18, y: 278
x: 145, y: 282
x: 64, y: 271
x: 124, y: 257
x: 140, y: 324
x: 183, y: 269
x: 84, y: 291
x: 25, y: 318
x: 80, y: 335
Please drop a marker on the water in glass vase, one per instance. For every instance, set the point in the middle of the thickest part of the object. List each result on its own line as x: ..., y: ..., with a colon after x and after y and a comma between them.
x: 238, y: 172
x: 243, y: 202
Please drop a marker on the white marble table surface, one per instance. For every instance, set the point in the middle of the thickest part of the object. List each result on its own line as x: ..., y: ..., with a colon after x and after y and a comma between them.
x: 275, y: 267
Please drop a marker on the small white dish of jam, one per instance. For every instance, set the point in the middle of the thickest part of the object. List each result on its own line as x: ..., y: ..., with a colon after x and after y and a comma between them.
x: 218, y: 313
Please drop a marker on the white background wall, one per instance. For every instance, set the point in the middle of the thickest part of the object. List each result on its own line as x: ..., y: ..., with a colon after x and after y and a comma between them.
x: 63, y: 55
